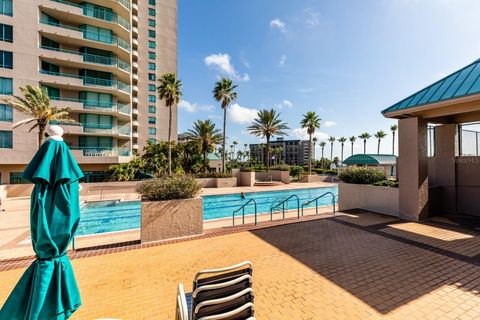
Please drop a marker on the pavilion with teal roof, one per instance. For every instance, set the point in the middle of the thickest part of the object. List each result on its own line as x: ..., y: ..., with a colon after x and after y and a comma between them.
x: 436, y: 174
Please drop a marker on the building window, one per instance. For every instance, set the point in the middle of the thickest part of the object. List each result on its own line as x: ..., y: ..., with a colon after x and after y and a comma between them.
x: 6, y: 113
x: 151, y: 33
x: 16, y: 178
x: 151, y: 12
x: 6, y: 139
x: 97, y: 33
x: 6, y: 59
x: 151, y: 88
x: 53, y: 93
x: 152, y: 98
x: 50, y: 67
x: 6, y: 32
x: 151, y: 44
x: 152, y: 77
x: 6, y: 85
x: 152, y: 131
x: 151, y: 66
x: 6, y: 7
x: 152, y: 55
x: 152, y: 120
x: 94, y: 176
x: 151, y: 2
x: 151, y: 23
x: 152, y: 140
x: 50, y: 43
x: 152, y: 109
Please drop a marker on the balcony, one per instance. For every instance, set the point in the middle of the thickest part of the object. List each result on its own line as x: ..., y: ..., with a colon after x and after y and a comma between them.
x: 118, y: 109
x: 107, y: 155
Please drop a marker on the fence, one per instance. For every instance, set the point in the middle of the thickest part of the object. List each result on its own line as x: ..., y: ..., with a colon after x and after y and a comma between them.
x: 469, y: 135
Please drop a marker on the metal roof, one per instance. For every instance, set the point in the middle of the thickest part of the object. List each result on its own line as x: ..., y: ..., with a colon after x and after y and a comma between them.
x: 371, y: 159
x: 463, y: 82
x: 213, y: 156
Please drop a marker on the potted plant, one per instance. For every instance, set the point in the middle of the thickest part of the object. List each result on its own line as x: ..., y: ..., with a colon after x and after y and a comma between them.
x: 170, y: 208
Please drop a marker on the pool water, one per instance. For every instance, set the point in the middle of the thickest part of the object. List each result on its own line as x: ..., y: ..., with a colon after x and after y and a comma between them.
x: 110, y: 216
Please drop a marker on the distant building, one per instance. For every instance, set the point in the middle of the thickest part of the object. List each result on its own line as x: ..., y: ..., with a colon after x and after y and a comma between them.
x: 386, y: 162
x: 293, y: 152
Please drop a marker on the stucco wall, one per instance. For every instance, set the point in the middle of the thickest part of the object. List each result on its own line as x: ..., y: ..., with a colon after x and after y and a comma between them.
x: 217, y: 182
x: 361, y: 196
x: 283, y: 176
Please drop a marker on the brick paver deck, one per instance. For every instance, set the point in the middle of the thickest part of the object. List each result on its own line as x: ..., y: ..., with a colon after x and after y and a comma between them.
x: 360, y: 266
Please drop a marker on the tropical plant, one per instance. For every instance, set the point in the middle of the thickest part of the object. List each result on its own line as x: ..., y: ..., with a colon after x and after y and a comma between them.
x: 224, y: 92
x: 365, y: 136
x: 125, y: 171
x: 204, y: 136
x: 331, y: 140
x: 266, y: 125
x: 379, y: 135
x: 315, y: 140
x: 322, y: 145
x: 362, y: 175
x: 36, y: 104
x: 352, y: 141
x: 296, y: 171
x: 155, y: 158
x: 394, y: 129
x: 177, y: 186
x: 310, y: 121
x: 342, y: 141
x: 170, y: 90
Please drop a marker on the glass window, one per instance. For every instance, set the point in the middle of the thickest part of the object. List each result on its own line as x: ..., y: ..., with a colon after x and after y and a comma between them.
x: 6, y: 139
x: 97, y: 33
x: 6, y: 85
x: 50, y: 43
x: 152, y: 109
x: 151, y: 2
x: 6, y: 7
x: 152, y: 140
x: 151, y: 33
x: 151, y: 44
x: 98, y: 12
x: 6, y: 59
x: 6, y: 32
x: 97, y: 121
x: 151, y: 66
x: 151, y: 12
x: 16, y: 178
x: 152, y: 131
x: 95, y: 142
x: 6, y: 113
x: 151, y: 23
x: 53, y: 93
x: 46, y: 18
x: 96, y: 99
x: 152, y: 98
x: 151, y: 88
x: 152, y: 77
x: 50, y: 67
x: 152, y: 120
x: 152, y: 55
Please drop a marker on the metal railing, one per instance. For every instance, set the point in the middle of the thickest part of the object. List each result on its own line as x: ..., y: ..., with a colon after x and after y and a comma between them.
x: 102, y: 151
x: 282, y: 203
x: 306, y: 203
x: 469, y: 139
x: 89, y: 81
x: 98, y: 105
x: 243, y: 211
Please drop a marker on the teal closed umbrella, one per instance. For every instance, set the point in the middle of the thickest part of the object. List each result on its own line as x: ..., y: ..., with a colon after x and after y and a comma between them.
x: 48, y: 289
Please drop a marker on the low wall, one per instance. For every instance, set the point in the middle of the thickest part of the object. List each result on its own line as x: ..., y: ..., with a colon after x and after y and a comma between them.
x: 318, y: 178
x: 362, y: 196
x: 277, y: 175
x: 217, y: 182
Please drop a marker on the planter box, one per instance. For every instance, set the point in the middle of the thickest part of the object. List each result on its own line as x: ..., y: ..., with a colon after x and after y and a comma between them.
x: 246, y: 179
x: 363, y: 196
x: 171, y: 219
x: 217, y: 182
x: 277, y: 175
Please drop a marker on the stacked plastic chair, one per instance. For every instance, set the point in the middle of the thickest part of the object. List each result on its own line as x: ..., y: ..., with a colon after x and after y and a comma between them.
x: 219, y: 294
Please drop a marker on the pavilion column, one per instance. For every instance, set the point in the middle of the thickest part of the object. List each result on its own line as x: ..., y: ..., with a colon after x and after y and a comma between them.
x: 413, y: 168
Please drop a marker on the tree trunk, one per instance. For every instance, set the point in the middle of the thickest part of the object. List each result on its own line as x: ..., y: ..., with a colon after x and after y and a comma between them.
x: 224, y: 137
x: 170, y: 140
x: 41, y: 135
x: 268, y: 153
x: 393, y: 142
x: 341, y: 156
x: 378, y: 147
x: 352, y: 149
x: 364, y: 146
x: 310, y: 155
x: 205, y: 161
x: 331, y: 152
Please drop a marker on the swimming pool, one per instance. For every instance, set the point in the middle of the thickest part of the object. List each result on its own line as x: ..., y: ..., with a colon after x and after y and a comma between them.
x: 110, y: 216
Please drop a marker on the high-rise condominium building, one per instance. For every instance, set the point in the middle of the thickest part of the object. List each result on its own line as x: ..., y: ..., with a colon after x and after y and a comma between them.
x: 291, y: 152
x: 100, y: 58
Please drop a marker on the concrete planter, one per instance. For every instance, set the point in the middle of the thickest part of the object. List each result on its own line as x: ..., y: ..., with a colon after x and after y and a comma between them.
x: 318, y: 178
x: 276, y: 175
x: 246, y: 179
x: 171, y: 219
x: 217, y: 182
x: 362, y: 196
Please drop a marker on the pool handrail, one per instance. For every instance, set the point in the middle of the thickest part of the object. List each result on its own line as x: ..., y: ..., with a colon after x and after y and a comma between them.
x: 306, y: 203
x: 282, y: 203
x: 243, y: 211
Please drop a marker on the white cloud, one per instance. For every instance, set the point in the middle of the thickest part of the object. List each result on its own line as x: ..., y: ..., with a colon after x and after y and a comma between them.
x: 301, y: 133
x: 329, y: 124
x: 284, y: 104
x: 194, y: 107
x: 241, y: 115
x: 283, y: 59
x: 278, y: 24
x: 312, y: 18
x: 222, y: 63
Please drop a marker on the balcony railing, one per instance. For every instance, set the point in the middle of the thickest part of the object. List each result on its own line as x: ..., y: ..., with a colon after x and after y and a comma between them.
x: 98, y: 105
x: 93, y: 58
x: 88, y: 35
x: 89, y: 81
x: 105, y: 129
x: 102, y: 151
x: 99, y: 14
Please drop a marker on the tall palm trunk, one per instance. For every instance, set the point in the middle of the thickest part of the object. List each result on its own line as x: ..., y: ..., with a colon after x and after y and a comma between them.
x: 310, y: 155
x: 331, y: 152
x: 352, y: 149
x: 224, y: 137
x: 378, y: 147
x: 364, y: 146
x: 41, y: 134
x: 268, y: 153
x: 393, y: 142
x: 204, y: 160
x: 341, y: 156
x: 170, y: 140
x: 322, y: 153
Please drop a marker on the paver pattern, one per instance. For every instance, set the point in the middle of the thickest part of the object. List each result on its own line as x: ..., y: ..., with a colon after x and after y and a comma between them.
x: 358, y: 266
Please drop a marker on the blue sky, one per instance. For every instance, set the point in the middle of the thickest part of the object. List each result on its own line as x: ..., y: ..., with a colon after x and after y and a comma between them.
x: 346, y: 60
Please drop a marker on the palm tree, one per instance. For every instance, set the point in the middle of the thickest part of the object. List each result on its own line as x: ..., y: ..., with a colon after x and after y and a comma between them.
x: 393, y: 128
x: 365, y: 136
x: 379, y: 135
x: 36, y: 104
x: 322, y: 145
x: 352, y: 141
x: 342, y: 140
x: 331, y: 140
x: 310, y: 121
x: 234, y: 146
x: 315, y: 140
x: 205, y: 136
x: 170, y: 90
x: 266, y: 125
x: 224, y: 92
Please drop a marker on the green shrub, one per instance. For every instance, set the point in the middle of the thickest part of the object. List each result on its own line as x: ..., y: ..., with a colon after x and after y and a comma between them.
x: 176, y: 186
x: 296, y: 171
x: 247, y: 169
x: 362, y: 175
x: 281, y: 167
x: 387, y: 183
x: 214, y: 175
